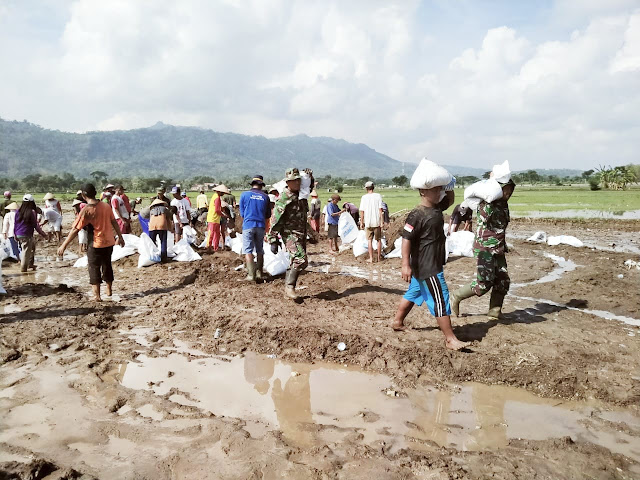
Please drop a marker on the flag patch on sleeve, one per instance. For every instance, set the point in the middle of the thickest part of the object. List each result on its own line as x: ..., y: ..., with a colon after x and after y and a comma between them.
x: 408, y: 228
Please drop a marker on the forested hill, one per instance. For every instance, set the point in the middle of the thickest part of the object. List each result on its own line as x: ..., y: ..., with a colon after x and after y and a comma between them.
x: 180, y: 152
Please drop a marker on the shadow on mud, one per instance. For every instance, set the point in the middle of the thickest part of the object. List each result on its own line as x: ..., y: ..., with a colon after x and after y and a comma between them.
x: 331, y: 295
x: 55, y: 311
x: 477, y: 331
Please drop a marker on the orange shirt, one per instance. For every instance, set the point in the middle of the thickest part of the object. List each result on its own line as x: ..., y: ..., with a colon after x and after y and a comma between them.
x: 99, y: 216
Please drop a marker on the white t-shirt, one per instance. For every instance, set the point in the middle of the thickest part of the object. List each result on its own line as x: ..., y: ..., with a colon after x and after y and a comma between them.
x: 51, y: 212
x: 121, y: 211
x: 370, y: 204
x: 182, y: 206
x: 8, y: 223
x: 51, y: 205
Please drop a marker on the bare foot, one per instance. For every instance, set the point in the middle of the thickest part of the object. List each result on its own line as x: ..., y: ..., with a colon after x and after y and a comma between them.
x: 109, y: 292
x: 370, y: 260
x: 455, y: 344
x: 98, y: 299
x: 398, y: 327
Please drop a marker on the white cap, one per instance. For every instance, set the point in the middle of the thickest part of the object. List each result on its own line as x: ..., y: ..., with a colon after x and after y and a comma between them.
x: 272, y: 198
x: 369, y: 184
x: 27, y: 197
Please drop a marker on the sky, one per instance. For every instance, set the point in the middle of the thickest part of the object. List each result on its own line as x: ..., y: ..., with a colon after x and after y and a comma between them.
x: 543, y: 84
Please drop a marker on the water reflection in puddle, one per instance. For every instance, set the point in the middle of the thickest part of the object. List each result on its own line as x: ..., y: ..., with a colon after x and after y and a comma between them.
x: 320, y: 403
x: 584, y: 213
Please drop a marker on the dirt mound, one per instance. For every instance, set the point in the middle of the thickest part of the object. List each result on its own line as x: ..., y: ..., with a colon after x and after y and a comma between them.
x: 395, y: 231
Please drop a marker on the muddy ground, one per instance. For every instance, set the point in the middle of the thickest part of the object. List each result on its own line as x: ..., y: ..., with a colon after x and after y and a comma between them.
x: 141, y: 386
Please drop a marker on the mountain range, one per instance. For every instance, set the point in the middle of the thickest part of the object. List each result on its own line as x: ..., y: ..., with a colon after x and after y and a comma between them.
x: 186, y: 152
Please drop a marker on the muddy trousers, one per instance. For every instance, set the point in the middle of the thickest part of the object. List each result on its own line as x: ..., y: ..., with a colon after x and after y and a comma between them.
x: 491, y: 273
x: 100, y: 265
x: 28, y: 247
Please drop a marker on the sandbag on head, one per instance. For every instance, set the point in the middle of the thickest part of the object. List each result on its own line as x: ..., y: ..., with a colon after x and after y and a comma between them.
x: 501, y: 173
x: 429, y: 175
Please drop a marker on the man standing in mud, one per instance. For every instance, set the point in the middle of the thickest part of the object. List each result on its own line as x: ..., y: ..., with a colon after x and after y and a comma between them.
x: 489, y: 248
x: 290, y: 222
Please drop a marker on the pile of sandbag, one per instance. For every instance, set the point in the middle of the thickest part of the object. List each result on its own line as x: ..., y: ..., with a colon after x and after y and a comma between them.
x: 361, y: 244
x: 150, y: 252
x: 460, y: 244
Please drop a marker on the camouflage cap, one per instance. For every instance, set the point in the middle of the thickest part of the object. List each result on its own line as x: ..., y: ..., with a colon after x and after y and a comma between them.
x: 292, y: 174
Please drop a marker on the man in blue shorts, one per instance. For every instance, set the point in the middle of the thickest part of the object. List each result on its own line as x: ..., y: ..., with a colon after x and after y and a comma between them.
x: 423, y: 258
x: 255, y: 209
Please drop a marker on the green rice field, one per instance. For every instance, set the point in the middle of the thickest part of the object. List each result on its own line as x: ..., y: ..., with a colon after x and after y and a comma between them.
x: 524, y: 201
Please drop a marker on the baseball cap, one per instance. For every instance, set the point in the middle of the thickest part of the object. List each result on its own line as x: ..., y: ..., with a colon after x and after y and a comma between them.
x: 184, y: 194
x: 258, y: 179
x: 369, y: 184
x: 27, y: 197
x: 7, y: 193
x: 174, y: 190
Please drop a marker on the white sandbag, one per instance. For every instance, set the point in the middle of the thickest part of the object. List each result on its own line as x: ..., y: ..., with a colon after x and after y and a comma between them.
x: 361, y: 244
x: 280, y: 186
x: 487, y: 190
x: 131, y: 243
x: 397, y: 249
x: 82, y: 262
x: 460, y: 244
x: 131, y: 240
x: 566, y: 240
x: 189, y: 234
x: 184, y: 253
x: 6, y: 251
x: 305, y: 185
x: 502, y: 172
x: 236, y: 244
x: 347, y: 228
x: 120, y: 252
x: 473, y: 203
x: 275, y: 264
x: 149, y: 252
x: 429, y: 175
x: 538, y: 237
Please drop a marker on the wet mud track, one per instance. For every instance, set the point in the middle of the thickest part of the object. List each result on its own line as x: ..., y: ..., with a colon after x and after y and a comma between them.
x: 139, y: 387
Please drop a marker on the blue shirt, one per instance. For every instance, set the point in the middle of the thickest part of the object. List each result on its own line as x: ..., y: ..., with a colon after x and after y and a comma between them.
x: 254, y: 208
x: 332, y: 208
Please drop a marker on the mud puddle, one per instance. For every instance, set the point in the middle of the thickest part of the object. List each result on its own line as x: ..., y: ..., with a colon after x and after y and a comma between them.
x: 373, y: 273
x: 312, y: 404
x: 42, y: 275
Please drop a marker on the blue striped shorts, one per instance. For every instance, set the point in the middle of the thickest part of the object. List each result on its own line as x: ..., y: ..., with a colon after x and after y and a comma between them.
x: 432, y: 290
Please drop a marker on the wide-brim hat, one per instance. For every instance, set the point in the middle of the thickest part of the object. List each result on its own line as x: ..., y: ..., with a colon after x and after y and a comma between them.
x: 314, y: 193
x: 48, y: 196
x: 111, y: 185
x: 157, y: 201
x: 222, y: 188
x: 76, y: 202
x: 12, y: 206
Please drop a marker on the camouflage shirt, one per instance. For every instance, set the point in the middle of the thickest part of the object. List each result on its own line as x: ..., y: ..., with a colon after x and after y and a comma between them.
x: 289, y: 216
x: 493, y: 219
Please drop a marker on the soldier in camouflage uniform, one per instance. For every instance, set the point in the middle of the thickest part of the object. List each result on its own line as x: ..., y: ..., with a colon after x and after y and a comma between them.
x: 290, y: 222
x: 489, y: 248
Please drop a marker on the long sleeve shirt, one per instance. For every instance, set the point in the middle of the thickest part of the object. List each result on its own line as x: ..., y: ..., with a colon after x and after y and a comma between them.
x: 8, y: 224
x: 24, y: 229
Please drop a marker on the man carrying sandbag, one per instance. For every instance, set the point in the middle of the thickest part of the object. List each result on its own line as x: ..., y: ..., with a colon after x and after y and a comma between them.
x: 490, y: 246
x: 423, y: 251
x: 290, y: 222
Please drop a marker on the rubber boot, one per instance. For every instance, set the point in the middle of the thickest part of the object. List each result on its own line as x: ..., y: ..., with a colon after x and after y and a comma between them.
x: 259, y: 266
x: 456, y: 297
x: 290, y: 281
x: 251, y: 272
x: 495, y: 305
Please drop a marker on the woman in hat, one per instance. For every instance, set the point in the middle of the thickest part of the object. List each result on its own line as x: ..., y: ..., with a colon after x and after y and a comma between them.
x: 8, y: 230
x: 53, y: 215
x: 160, y: 225
x: 214, y: 216
x: 25, y: 223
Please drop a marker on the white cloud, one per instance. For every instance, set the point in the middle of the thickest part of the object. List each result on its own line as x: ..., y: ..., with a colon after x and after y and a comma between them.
x: 360, y: 70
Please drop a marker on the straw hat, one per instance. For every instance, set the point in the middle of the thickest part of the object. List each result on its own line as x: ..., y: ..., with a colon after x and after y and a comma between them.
x: 157, y: 201
x: 76, y: 202
x: 48, y: 196
x: 222, y: 188
x: 12, y: 206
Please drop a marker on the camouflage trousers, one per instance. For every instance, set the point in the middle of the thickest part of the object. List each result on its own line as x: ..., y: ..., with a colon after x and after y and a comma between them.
x: 492, y: 272
x: 297, y: 249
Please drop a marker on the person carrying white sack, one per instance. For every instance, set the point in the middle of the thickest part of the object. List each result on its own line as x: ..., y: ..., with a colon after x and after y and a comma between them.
x: 490, y: 247
x: 423, y: 251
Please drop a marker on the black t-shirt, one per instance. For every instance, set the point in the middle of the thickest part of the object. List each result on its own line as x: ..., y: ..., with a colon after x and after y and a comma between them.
x: 458, y: 217
x: 424, y: 228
